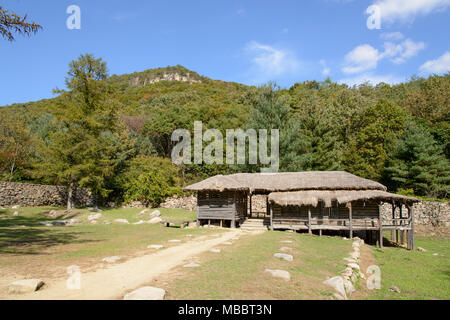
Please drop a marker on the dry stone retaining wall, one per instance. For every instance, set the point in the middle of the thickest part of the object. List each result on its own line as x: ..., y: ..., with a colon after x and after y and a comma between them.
x: 31, y: 195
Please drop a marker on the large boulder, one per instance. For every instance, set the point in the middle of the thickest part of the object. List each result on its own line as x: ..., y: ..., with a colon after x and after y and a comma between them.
x: 146, y: 293
x: 337, y: 283
x: 25, y: 286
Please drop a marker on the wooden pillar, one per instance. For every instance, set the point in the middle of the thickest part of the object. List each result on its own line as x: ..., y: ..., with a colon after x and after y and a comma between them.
x: 320, y: 232
x: 381, y: 229
x: 411, y: 232
x: 251, y: 206
x: 198, y: 209
x: 350, y: 213
x: 233, y: 218
x: 267, y: 205
x: 393, y: 235
x: 271, y: 218
x: 309, y: 220
x: 402, y: 232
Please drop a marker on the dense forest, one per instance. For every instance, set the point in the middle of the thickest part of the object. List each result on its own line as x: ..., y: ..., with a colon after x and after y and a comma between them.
x: 112, y: 134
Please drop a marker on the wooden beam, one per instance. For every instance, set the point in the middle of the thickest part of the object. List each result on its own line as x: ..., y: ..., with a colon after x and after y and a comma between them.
x: 350, y: 213
x: 309, y: 220
x: 393, y: 234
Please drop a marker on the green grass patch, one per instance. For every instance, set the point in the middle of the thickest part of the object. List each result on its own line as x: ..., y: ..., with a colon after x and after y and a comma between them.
x: 238, y: 272
x: 419, y: 275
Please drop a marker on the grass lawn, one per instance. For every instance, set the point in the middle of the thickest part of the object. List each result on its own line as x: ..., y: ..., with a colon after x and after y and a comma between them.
x: 33, y: 250
x: 418, y: 275
x: 238, y: 271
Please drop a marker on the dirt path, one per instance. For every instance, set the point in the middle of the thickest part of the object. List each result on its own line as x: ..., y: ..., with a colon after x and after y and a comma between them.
x: 115, y: 281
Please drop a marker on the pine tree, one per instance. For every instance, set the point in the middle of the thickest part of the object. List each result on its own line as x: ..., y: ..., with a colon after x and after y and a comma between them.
x: 418, y: 163
x: 88, y: 141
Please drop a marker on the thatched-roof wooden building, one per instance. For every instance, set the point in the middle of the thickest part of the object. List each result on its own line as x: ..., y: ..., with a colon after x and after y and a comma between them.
x: 325, y: 200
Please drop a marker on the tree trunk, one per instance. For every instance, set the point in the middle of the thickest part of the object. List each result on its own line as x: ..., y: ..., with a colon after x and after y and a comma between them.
x: 70, y: 197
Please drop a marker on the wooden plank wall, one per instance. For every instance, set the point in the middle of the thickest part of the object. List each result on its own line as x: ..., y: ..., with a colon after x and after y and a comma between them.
x: 219, y: 205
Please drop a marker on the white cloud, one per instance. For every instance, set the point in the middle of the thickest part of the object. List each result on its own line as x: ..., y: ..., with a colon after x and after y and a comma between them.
x: 400, y: 52
x: 269, y: 62
x: 407, y: 10
x: 362, y: 58
x: 365, y: 57
x: 440, y: 65
x: 325, y: 70
x: 392, y: 36
x: 372, y: 79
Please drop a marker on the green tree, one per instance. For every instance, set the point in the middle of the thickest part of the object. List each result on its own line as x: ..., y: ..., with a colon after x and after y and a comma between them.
x: 271, y: 111
x: 149, y: 180
x: 11, y: 22
x: 418, y: 163
x: 89, y: 142
x: 375, y: 132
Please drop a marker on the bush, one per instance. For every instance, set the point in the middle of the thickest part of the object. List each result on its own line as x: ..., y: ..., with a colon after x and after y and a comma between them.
x: 149, y: 180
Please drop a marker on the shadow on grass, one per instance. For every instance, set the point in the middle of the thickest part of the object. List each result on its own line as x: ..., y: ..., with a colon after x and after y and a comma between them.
x: 24, y: 235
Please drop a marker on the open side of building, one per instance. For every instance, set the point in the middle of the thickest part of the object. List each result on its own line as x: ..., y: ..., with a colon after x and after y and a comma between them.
x: 325, y: 200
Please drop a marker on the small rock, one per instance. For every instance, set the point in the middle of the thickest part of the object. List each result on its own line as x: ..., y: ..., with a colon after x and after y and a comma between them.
x: 73, y: 221
x: 154, y: 220
x: 144, y: 211
x: 94, y: 216
x: 215, y: 250
x: 286, y: 241
x: 15, y: 207
x: 284, y: 256
x: 155, y: 246
x: 285, y: 249
x: 227, y: 243
x: 94, y: 222
x: 16, y: 214
x: 354, y: 266
x: 121, y: 221
x: 155, y: 213
x: 25, y: 286
x: 350, y: 260
x: 191, y: 265
x: 355, y: 255
x: 421, y: 249
x: 174, y: 241
x: 146, y: 293
x: 139, y: 222
x: 349, y: 288
x: 279, y: 274
x: 435, y: 254
x: 395, y: 289
x: 53, y: 214
x: 112, y: 259
x: 339, y: 297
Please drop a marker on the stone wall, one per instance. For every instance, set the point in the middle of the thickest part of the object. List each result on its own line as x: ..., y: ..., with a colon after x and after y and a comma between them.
x: 30, y: 195
x: 186, y: 203
x: 426, y: 213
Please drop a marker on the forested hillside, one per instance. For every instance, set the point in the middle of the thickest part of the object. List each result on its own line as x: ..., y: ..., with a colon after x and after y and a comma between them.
x: 112, y: 133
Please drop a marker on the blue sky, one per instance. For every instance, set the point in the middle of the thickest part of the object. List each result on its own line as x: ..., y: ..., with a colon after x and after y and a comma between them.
x: 249, y: 42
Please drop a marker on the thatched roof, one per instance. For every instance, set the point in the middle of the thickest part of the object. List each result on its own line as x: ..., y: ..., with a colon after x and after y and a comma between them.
x: 293, y: 181
x: 312, y: 198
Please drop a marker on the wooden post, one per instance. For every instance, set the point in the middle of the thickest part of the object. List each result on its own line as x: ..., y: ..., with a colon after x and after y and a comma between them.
x: 412, y: 239
x: 233, y: 219
x: 267, y: 206
x: 402, y: 232
x: 271, y: 218
x: 251, y: 206
x: 350, y: 213
x: 198, y: 221
x: 393, y: 237
x: 381, y: 229
x: 309, y: 220
x: 320, y: 232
